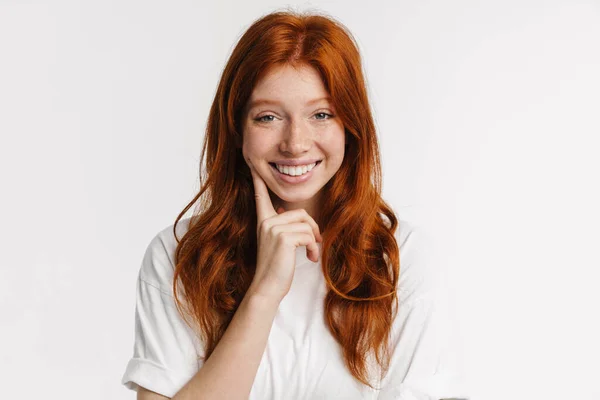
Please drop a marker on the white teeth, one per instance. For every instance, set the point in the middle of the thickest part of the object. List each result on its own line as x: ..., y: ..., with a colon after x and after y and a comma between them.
x: 295, y: 171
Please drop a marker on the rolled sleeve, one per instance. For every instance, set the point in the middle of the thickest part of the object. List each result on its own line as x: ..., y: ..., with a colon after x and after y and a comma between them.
x: 165, y: 350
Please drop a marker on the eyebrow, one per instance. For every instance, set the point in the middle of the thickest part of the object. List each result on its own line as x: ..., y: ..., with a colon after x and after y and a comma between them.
x: 258, y: 102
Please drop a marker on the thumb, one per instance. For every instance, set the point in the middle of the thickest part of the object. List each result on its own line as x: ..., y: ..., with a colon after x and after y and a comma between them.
x: 264, y: 206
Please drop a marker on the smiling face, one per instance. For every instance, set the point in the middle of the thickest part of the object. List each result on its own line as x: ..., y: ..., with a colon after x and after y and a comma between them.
x: 290, y: 119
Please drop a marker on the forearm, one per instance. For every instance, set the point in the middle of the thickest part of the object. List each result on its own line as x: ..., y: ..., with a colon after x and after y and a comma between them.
x: 230, y: 370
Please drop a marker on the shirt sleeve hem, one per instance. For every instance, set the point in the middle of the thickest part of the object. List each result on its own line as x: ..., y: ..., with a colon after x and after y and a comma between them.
x: 152, y: 376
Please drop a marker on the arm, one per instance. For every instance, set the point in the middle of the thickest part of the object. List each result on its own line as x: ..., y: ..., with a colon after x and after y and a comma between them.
x: 145, y: 394
x: 230, y: 370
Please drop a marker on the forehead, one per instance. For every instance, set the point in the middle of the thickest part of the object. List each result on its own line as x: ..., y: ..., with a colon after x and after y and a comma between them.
x: 289, y: 84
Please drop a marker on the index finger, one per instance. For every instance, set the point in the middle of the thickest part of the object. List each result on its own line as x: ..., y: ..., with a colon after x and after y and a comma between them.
x: 264, y: 206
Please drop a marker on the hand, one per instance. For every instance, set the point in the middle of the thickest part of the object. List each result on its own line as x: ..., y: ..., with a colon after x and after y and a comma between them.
x: 278, y: 235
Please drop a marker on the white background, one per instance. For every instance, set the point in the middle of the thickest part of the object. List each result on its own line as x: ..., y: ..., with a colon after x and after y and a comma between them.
x: 488, y: 116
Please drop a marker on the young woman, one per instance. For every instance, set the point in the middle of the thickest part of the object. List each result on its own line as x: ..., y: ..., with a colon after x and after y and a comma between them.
x: 294, y: 279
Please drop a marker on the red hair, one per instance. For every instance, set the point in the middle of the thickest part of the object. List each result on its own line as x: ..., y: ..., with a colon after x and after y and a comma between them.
x: 216, y: 258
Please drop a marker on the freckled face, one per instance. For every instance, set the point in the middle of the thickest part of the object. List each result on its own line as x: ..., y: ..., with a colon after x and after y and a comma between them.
x: 289, y: 117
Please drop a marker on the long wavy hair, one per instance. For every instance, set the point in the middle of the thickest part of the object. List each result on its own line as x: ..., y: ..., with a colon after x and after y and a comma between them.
x: 215, y: 260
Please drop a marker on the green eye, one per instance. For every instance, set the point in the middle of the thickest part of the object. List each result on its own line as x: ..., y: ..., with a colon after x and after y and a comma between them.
x: 260, y: 119
x: 325, y: 114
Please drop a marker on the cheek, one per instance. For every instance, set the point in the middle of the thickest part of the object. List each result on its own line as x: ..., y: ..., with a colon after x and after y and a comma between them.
x: 250, y: 150
x: 336, y: 147
x: 248, y: 144
x: 256, y: 146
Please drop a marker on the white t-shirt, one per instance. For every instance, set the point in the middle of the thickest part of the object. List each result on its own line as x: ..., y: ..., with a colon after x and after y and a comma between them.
x: 302, y: 360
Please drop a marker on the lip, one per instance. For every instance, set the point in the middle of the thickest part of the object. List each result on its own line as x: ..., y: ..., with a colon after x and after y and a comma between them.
x: 296, y: 162
x: 293, y: 179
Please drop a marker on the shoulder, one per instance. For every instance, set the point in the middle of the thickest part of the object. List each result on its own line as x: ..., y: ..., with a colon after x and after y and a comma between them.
x: 158, y: 264
x: 420, y: 267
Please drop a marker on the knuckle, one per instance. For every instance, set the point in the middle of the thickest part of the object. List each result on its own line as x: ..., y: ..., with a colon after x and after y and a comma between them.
x: 300, y: 212
x: 284, y: 238
x: 309, y: 230
x: 275, y: 230
x: 265, y: 227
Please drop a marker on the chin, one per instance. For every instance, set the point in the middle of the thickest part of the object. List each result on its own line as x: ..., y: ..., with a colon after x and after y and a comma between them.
x: 291, y: 198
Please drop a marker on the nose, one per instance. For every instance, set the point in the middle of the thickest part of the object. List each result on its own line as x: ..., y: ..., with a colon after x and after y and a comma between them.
x: 297, y: 138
